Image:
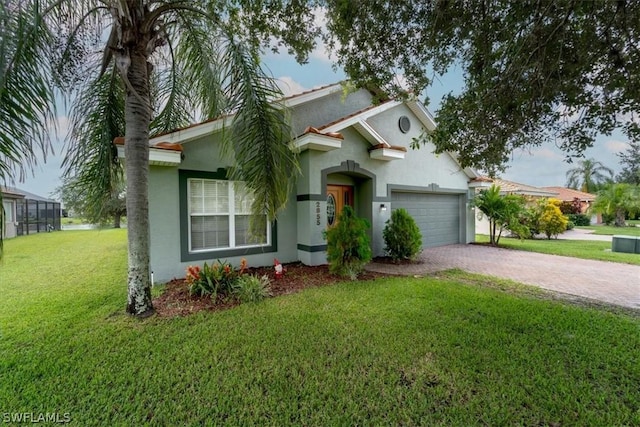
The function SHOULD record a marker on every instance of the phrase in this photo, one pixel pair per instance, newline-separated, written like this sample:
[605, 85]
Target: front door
[338, 196]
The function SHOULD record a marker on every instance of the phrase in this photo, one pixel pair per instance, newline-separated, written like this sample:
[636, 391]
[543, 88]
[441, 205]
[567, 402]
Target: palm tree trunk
[116, 220]
[620, 218]
[138, 118]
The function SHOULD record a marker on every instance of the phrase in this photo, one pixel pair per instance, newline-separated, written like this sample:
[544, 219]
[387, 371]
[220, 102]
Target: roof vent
[404, 124]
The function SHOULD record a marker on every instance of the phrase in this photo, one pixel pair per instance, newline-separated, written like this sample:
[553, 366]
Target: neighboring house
[28, 213]
[530, 193]
[10, 198]
[585, 200]
[352, 152]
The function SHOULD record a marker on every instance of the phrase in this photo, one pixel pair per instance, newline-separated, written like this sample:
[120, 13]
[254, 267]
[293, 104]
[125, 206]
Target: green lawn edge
[449, 349]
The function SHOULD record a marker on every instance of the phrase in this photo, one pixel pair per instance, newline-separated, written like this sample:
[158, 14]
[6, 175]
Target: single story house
[27, 213]
[585, 200]
[10, 198]
[529, 192]
[353, 151]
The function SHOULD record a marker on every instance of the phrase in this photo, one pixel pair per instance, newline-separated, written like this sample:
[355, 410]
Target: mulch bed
[175, 300]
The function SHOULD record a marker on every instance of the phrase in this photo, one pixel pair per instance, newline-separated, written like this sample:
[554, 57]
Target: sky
[539, 166]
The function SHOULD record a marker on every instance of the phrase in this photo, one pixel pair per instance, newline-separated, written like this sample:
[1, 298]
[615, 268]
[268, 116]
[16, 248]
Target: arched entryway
[348, 184]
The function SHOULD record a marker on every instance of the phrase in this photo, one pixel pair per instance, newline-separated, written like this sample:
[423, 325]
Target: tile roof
[568, 194]
[311, 129]
[119, 140]
[354, 114]
[393, 147]
[306, 92]
[518, 188]
[225, 116]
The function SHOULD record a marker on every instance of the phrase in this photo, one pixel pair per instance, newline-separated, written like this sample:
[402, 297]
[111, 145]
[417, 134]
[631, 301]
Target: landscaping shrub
[552, 221]
[579, 220]
[570, 225]
[402, 237]
[348, 248]
[504, 212]
[251, 288]
[214, 279]
[571, 208]
[530, 219]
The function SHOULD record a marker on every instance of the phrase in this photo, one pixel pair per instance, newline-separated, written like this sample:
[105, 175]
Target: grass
[585, 249]
[73, 221]
[611, 230]
[453, 349]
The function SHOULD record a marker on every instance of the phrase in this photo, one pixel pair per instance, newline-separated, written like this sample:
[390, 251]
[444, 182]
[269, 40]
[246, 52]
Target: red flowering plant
[214, 279]
[193, 274]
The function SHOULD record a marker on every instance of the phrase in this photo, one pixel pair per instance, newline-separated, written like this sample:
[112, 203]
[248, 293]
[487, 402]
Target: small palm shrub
[402, 237]
[251, 288]
[348, 248]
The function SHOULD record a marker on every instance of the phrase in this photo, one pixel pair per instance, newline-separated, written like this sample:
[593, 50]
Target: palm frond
[260, 135]
[26, 94]
[199, 51]
[91, 164]
[171, 96]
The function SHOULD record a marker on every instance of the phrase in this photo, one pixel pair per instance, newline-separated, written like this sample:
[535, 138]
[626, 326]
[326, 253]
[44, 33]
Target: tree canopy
[534, 71]
[630, 161]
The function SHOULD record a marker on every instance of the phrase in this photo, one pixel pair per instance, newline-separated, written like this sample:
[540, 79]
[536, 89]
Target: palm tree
[25, 95]
[94, 175]
[502, 211]
[588, 175]
[170, 58]
[615, 200]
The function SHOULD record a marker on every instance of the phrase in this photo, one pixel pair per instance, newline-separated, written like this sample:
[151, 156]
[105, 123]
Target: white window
[8, 211]
[219, 214]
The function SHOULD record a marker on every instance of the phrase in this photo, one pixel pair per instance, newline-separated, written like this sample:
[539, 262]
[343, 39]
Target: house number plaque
[317, 213]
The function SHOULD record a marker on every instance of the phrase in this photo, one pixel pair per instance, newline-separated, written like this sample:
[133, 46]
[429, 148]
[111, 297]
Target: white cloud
[615, 146]
[289, 86]
[546, 153]
[321, 53]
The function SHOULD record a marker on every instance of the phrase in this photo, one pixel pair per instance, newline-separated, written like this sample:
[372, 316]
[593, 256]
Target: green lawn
[586, 249]
[454, 349]
[611, 230]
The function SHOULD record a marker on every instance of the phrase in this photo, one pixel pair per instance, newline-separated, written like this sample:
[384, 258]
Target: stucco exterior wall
[166, 224]
[328, 109]
[300, 226]
[420, 170]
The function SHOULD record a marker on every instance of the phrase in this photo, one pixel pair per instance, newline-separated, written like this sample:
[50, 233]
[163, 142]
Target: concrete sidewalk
[609, 282]
[582, 234]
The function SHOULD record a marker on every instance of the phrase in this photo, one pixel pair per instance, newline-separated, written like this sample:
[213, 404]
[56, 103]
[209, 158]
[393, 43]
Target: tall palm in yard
[174, 62]
[588, 175]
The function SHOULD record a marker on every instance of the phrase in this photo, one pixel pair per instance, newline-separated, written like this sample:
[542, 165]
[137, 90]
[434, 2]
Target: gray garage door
[437, 215]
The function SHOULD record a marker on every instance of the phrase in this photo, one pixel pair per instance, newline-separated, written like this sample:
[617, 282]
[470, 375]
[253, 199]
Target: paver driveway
[604, 281]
